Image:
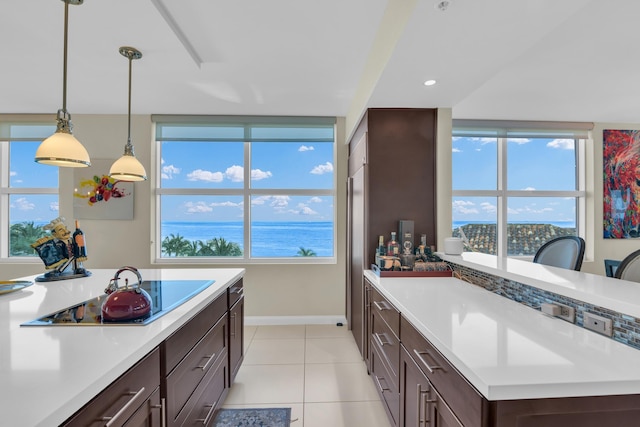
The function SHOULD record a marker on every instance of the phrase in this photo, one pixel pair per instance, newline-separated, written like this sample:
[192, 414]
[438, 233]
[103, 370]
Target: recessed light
[429, 82]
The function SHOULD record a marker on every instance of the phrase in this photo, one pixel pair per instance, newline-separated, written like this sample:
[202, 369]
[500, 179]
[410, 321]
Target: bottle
[393, 247]
[382, 249]
[79, 248]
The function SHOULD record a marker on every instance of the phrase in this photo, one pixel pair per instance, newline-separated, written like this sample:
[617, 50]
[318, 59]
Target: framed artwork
[98, 196]
[621, 190]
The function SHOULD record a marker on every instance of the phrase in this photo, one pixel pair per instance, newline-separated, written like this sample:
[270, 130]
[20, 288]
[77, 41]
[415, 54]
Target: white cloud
[13, 173]
[464, 207]
[488, 207]
[169, 171]
[197, 207]
[529, 189]
[305, 148]
[562, 144]
[279, 201]
[23, 204]
[226, 204]
[456, 150]
[235, 173]
[54, 206]
[207, 176]
[519, 141]
[257, 174]
[315, 200]
[322, 169]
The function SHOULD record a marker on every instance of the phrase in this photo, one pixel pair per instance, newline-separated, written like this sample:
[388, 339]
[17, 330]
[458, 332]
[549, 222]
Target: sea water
[268, 239]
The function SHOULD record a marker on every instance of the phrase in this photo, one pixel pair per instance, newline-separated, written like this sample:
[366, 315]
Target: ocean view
[269, 239]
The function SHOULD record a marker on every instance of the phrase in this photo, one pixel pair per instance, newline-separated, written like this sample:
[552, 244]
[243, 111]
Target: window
[28, 190]
[517, 185]
[245, 188]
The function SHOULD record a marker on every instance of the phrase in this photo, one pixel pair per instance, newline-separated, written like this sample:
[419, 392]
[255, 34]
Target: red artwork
[621, 192]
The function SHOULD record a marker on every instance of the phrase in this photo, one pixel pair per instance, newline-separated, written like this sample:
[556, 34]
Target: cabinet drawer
[176, 347]
[236, 291]
[388, 346]
[389, 392]
[120, 400]
[381, 307]
[194, 367]
[461, 397]
[207, 397]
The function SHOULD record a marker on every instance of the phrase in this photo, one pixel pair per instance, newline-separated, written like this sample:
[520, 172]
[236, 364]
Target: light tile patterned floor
[316, 370]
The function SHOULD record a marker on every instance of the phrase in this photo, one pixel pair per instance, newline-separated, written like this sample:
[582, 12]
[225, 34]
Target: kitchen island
[517, 359]
[49, 372]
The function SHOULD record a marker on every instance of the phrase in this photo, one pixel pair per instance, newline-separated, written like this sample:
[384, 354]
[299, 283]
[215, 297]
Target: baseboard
[294, 320]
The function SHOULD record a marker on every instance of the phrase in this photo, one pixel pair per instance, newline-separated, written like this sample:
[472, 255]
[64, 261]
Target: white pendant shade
[62, 149]
[128, 168]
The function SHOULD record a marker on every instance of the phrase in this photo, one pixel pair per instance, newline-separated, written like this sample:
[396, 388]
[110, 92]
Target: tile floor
[316, 370]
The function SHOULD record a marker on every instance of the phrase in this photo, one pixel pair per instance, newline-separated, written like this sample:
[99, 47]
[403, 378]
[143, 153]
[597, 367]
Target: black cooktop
[165, 296]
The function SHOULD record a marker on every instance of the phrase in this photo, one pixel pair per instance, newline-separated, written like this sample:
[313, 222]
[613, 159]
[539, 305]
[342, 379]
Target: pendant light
[62, 148]
[127, 167]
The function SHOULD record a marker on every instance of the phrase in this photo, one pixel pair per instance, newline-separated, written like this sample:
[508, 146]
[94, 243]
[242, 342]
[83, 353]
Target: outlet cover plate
[598, 324]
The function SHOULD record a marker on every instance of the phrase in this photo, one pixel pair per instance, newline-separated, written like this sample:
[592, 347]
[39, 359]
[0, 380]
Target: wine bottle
[79, 247]
[382, 249]
[393, 247]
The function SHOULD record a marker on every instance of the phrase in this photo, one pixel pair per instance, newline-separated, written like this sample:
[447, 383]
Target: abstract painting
[621, 191]
[98, 196]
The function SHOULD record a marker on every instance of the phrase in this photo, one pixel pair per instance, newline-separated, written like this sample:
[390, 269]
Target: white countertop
[618, 295]
[48, 373]
[507, 350]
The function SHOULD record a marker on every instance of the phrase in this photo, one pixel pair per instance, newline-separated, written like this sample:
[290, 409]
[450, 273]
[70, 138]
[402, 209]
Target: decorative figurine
[61, 253]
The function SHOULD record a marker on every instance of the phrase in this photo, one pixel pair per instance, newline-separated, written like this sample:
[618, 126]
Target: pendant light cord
[64, 67]
[129, 128]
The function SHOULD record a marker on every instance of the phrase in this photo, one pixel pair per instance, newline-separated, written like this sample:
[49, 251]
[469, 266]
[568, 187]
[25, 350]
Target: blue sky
[220, 165]
[533, 164]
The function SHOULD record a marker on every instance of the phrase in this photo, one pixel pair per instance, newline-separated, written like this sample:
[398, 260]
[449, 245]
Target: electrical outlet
[598, 324]
[567, 313]
[564, 312]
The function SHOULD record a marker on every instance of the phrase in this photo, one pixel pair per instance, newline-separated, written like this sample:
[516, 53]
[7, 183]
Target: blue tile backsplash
[626, 329]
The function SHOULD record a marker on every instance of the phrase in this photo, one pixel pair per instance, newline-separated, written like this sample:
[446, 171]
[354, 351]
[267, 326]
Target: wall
[290, 293]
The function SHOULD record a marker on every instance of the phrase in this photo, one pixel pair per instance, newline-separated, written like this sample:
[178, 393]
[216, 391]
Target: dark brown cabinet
[384, 351]
[392, 168]
[132, 400]
[193, 357]
[236, 329]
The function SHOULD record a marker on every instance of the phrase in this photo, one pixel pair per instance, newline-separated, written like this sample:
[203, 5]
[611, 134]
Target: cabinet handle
[379, 339]
[115, 420]
[210, 413]
[379, 384]
[430, 368]
[419, 406]
[210, 359]
[163, 415]
[237, 290]
[382, 306]
[233, 332]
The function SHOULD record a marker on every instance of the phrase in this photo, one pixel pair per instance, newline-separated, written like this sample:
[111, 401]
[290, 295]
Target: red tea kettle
[125, 304]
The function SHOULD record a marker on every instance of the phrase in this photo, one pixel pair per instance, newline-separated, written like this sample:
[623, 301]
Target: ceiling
[569, 60]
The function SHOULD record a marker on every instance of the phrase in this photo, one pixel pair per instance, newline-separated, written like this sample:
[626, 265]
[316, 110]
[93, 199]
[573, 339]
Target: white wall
[310, 290]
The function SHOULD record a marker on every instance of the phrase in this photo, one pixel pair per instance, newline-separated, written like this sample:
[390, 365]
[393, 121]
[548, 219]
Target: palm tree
[220, 247]
[22, 235]
[306, 252]
[176, 245]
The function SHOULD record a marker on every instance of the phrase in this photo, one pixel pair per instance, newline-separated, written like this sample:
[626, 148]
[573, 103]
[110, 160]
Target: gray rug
[253, 417]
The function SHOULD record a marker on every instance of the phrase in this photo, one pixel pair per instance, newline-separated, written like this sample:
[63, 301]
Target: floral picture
[621, 192]
[96, 195]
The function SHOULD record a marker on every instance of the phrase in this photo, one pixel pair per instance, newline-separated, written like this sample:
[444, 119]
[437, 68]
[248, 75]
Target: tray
[7, 286]
[431, 273]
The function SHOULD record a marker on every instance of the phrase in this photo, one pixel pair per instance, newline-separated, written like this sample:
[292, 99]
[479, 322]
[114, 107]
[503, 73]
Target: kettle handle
[113, 284]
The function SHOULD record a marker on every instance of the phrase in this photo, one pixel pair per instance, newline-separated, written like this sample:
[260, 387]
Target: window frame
[505, 130]
[6, 191]
[246, 192]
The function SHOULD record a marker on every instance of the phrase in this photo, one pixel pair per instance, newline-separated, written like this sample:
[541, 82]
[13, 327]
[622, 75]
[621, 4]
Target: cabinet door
[414, 387]
[440, 414]
[148, 415]
[236, 338]
[357, 245]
